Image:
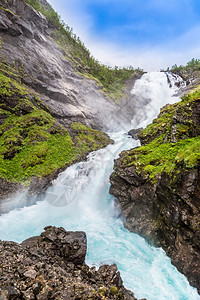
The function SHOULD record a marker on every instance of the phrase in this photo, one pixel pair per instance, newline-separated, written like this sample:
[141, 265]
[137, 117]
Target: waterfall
[79, 200]
[154, 91]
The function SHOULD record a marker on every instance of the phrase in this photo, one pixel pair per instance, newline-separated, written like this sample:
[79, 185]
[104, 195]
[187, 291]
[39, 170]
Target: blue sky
[150, 34]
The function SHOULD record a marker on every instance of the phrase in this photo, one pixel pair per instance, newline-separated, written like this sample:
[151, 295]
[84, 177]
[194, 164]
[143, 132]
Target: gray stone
[56, 269]
[30, 274]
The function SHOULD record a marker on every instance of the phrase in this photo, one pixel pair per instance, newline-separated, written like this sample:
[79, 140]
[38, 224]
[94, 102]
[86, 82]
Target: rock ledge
[52, 266]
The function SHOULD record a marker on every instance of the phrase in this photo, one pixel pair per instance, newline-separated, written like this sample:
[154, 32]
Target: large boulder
[52, 266]
[68, 245]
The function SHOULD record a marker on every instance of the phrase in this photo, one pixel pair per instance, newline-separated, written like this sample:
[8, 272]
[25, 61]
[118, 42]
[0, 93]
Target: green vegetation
[111, 79]
[190, 73]
[159, 125]
[34, 3]
[88, 138]
[162, 124]
[192, 96]
[160, 152]
[1, 43]
[14, 70]
[114, 290]
[158, 157]
[193, 64]
[32, 143]
[8, 10]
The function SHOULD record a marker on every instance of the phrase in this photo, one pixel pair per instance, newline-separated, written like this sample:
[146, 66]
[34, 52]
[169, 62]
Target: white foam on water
[79, 200]
[154, 88]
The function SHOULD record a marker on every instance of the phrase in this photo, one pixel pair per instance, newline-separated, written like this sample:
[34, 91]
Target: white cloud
[177, 51]
[174, 51]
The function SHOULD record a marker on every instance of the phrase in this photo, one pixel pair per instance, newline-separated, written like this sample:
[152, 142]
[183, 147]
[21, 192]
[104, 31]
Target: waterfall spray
[145, 270]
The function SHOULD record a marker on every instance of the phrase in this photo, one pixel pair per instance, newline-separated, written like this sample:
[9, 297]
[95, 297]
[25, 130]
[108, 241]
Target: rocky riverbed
[52, 266]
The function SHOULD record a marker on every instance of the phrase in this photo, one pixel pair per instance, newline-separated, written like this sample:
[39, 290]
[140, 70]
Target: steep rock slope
[28, 44]
[158, 185]
[48, 63]
[34, 146]
[44, 86]
[52, 266]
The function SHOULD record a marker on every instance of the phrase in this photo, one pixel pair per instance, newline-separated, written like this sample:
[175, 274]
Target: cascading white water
[79, 200]
[154, 88]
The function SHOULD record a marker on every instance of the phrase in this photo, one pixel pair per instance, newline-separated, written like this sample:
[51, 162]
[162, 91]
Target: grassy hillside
[32, 142]
[172, 140]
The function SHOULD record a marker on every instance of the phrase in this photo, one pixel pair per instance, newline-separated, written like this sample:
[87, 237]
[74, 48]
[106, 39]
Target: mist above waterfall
[148, 95]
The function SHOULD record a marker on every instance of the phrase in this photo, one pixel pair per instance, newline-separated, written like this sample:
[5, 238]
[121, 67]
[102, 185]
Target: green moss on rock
[180, 114]
[87, 139]
[157, 157]
[113, 290]
[32, 142]
[172, 140]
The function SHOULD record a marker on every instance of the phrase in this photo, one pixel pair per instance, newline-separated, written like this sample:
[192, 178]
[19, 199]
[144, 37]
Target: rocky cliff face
[47, 95]
[31, 44]
[28, 44]
[34, 146]
[158, 185]
[52, 266]
[190, 73]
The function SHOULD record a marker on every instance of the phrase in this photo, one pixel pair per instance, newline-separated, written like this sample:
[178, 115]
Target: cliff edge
[158, 185]
[53, 95]
[52, 266]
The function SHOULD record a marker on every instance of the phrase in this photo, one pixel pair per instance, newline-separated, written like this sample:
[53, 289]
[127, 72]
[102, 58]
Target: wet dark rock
[52, 266]
[10, 292]
[166, 210]
[165, 213]
[2, 118]
[3, 25]
[134, 133]
[7, 188]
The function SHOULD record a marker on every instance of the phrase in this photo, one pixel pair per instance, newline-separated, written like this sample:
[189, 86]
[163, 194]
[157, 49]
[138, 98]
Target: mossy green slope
[32, 142]
[171, 141]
